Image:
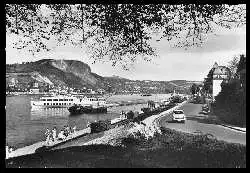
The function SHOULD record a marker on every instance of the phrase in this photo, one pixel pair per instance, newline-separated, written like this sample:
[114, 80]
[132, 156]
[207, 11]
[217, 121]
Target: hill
[76, 74]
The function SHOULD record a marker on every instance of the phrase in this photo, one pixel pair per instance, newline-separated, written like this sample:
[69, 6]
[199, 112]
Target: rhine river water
[25, 125]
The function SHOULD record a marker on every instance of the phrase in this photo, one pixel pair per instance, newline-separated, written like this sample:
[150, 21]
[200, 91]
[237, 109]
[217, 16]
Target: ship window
[55, 99]
[44, 104]
[53, 103]
[49, 99]
[60, 99]
[56, 103]
[43, 99]
[65, 99]
[47, 103]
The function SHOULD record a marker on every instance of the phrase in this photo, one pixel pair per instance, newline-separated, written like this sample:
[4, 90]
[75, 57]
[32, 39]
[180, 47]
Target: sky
[172, 63]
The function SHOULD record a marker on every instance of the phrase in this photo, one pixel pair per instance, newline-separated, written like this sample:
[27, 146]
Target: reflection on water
[41, 113]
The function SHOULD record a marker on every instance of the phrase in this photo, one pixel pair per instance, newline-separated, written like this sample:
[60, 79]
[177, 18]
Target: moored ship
[54, 101]
[63, 101]
[80, 109]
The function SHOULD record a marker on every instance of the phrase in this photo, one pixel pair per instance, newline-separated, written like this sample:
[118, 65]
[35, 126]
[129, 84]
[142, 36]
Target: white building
[34, 91]
[220, 74]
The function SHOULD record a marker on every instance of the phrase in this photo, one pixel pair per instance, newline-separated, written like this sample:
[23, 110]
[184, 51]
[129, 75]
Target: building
[220, 74]
[34, 91]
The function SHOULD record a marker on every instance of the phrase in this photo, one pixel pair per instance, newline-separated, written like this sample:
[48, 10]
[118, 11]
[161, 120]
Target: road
[203, 123]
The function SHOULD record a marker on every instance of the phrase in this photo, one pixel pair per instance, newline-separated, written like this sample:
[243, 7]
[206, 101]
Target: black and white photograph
[125, 86]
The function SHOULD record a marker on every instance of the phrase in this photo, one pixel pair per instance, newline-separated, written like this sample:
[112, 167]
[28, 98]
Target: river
[25, 125]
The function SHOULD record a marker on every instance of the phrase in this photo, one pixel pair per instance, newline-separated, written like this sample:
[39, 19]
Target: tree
[119, 33]
[241, 71]
[208, 82]
[232, 65]
[241, 64]
[194, 89]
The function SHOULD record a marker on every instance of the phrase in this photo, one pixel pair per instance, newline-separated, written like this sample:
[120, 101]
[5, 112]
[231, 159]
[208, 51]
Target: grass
[169, 149]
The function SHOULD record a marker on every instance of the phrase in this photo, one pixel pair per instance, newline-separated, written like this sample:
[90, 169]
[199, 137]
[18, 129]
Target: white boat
[54, 101]
[62, 101]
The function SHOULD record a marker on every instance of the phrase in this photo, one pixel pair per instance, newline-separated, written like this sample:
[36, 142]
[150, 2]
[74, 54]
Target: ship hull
[86, 109]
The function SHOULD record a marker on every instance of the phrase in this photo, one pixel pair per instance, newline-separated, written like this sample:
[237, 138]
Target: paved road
[204, 124]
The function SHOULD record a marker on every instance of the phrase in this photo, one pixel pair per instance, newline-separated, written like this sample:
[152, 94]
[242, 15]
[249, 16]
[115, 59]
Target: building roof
[222, 70]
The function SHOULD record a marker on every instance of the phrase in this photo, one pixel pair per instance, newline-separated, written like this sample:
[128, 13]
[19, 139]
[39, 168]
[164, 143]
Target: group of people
[52, 136]
[8, 150]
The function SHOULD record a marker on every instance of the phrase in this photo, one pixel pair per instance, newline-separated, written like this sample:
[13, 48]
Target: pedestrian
[10, 149]
[88, 124]
[67, 130]
[54, 134]
[74, 129]
[47, 135]
[7, 151]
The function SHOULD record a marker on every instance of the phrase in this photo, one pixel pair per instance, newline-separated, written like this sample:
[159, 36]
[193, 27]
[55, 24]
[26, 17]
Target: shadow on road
[205, 119]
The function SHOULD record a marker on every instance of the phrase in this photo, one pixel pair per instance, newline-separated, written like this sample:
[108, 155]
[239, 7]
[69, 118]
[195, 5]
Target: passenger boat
[55, 101]
[63, 101]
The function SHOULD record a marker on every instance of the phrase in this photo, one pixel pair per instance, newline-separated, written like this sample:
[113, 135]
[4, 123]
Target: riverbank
[171, 149]
[117, 148]
[32, 148]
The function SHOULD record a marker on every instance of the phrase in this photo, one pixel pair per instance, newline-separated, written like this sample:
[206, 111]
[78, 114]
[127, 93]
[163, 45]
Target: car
[179, 116]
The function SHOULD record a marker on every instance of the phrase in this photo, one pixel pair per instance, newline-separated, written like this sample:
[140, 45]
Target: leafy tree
[118, 33]
[208, 83]
[232, 65]
[242, 63]
[240, 68]
[194, 89]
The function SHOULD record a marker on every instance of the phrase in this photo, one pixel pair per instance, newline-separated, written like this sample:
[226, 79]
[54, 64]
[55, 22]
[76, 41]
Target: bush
[100, 126]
